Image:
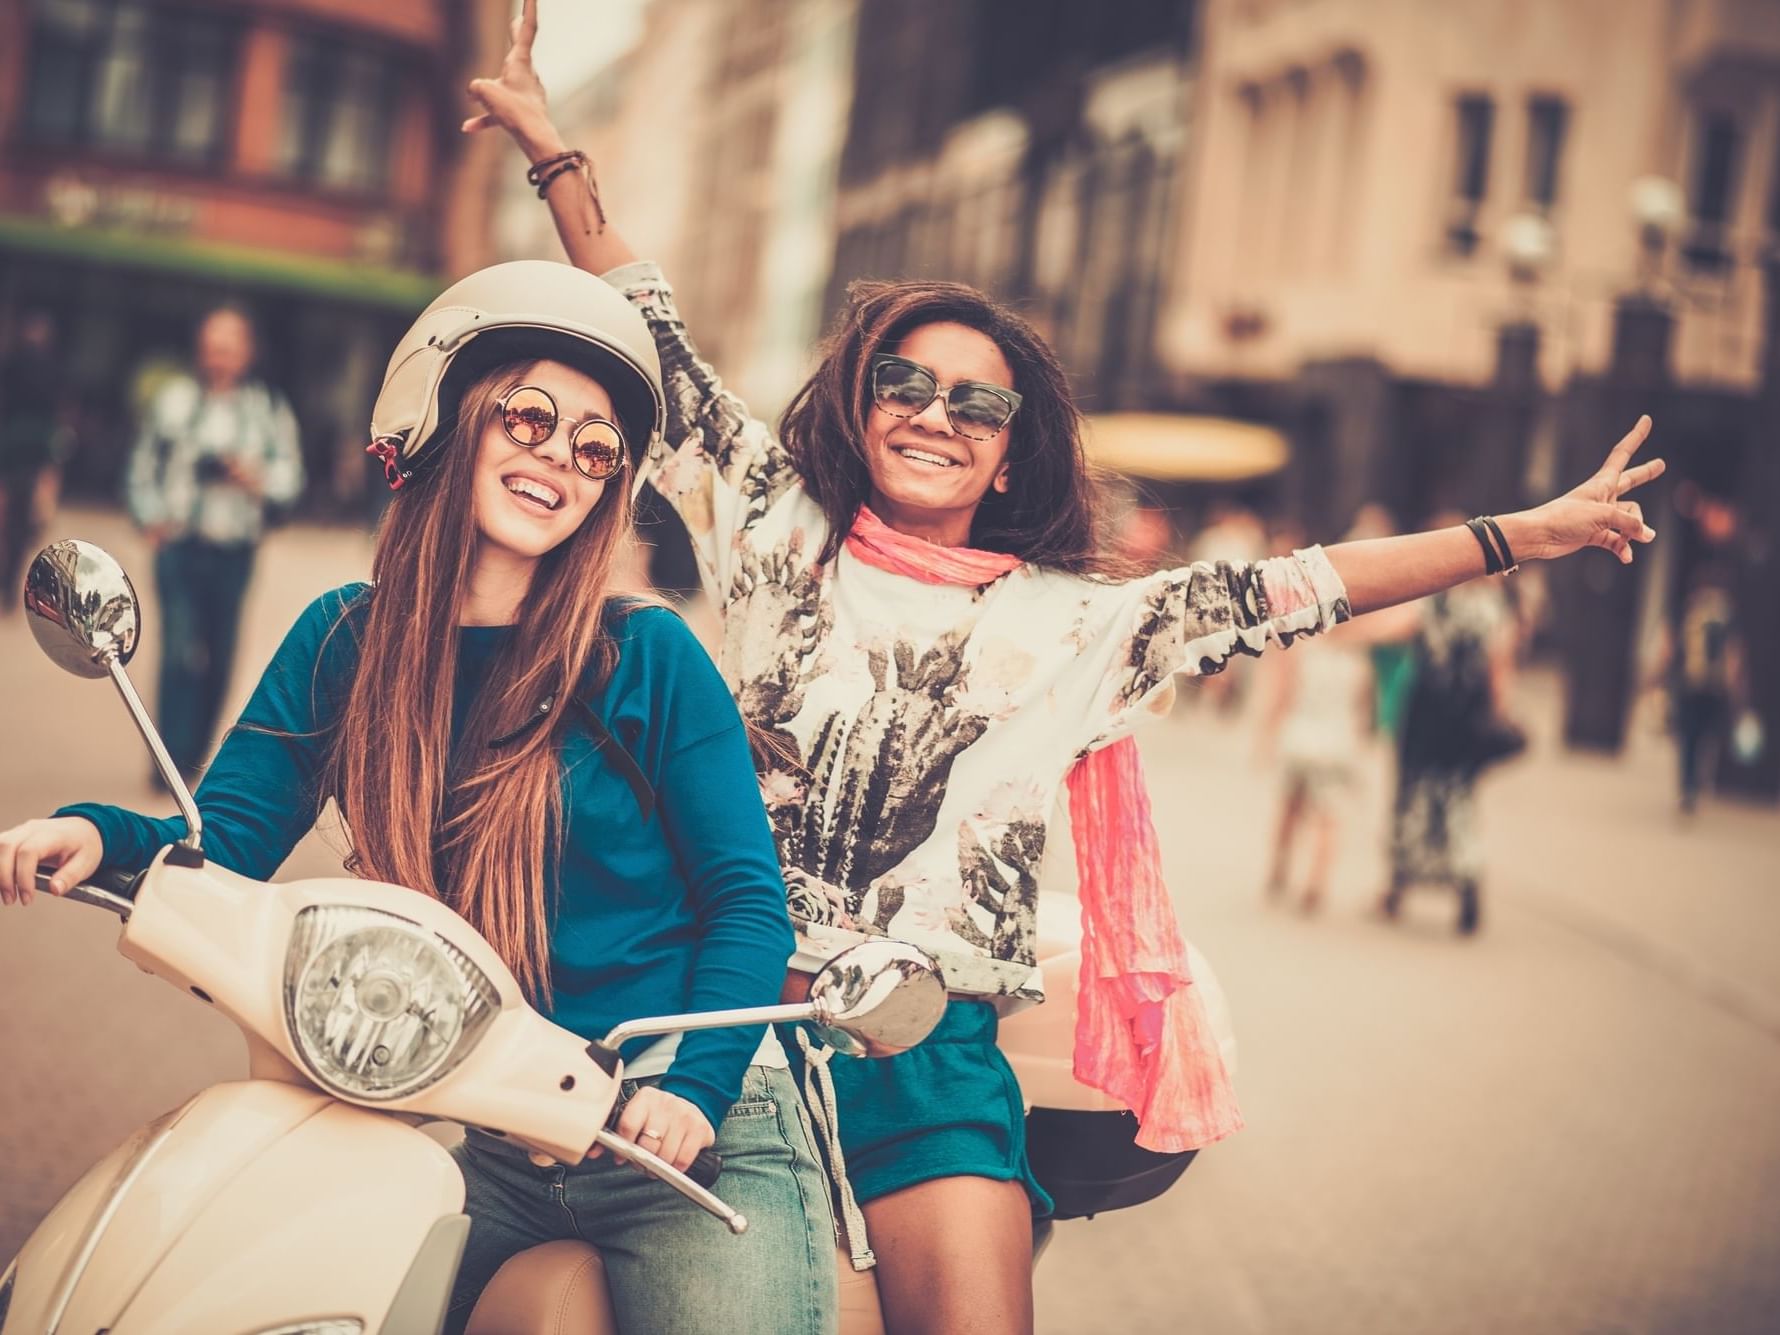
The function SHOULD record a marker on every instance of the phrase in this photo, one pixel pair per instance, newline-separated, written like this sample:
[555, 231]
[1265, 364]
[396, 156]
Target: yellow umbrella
[1185, 447]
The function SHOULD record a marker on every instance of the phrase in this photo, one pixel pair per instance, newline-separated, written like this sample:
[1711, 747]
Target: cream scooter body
[210, 1218]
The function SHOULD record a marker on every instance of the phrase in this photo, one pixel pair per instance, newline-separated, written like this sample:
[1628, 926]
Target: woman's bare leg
[954, 1257]
[1283, 836]
[1325, 828]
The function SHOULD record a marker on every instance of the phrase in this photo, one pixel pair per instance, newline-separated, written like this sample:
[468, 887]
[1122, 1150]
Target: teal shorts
[948, 1107]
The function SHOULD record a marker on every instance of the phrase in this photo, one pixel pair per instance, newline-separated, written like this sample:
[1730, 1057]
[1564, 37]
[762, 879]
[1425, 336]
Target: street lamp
[1528, 244]
[1660, 210]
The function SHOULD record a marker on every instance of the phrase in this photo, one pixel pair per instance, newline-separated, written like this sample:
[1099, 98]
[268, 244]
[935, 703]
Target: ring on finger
[650, 1134]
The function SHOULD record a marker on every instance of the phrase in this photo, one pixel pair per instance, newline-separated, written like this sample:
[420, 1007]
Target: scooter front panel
[267, 1204]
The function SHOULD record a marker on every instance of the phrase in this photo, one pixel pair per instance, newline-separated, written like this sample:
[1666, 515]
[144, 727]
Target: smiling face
[927, 480]
[527, 501]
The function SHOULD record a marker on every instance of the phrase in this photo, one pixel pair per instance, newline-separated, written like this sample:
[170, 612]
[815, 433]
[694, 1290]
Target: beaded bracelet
[544, 172]
[535, 172]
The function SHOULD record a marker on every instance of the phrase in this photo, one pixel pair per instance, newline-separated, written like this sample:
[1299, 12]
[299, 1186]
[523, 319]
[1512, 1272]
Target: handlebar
[108, 889]
[664, 1171]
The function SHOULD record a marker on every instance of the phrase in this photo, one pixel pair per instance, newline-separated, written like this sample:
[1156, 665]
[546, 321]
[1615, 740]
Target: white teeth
[926, 458]
[537, 491]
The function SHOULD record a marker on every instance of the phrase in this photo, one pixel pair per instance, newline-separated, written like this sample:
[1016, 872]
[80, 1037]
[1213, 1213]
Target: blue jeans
[671, 1267]
[202, 585]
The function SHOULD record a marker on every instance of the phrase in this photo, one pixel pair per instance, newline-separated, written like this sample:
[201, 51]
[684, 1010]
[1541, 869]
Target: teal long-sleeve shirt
[682, 911]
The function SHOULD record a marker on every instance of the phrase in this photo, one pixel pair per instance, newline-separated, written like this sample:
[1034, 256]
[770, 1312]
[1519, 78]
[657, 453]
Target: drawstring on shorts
[818, 1092]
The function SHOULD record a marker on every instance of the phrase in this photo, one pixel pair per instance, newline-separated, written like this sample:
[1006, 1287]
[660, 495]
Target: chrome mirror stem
[182, 797]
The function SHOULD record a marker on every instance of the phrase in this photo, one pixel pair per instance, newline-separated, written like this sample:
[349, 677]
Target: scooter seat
[559, 1288]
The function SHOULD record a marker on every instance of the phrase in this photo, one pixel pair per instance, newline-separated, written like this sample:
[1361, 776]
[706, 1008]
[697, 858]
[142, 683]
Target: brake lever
[660, 1169]
[96, 895]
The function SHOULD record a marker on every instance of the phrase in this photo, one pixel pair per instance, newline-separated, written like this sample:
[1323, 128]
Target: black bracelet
[1492, 564]
[1509, 564]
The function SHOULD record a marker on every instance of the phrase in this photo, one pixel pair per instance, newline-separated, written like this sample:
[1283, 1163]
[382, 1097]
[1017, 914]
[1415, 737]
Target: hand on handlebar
[666, 1125]
[69, 844]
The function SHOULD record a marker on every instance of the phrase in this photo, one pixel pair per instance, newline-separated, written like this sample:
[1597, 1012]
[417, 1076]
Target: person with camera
[216, 449]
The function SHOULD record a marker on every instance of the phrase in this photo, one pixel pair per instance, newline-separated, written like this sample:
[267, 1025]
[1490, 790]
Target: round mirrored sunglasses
[596, 444]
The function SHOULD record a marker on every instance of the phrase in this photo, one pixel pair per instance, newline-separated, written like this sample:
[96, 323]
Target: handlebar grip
[116, 880]
[706, 1169]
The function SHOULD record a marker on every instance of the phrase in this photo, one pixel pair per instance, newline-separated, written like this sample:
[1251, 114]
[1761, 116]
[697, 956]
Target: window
[339, 111]
[1547, 120]
[1774, 198]
[1475, 121]
[1714, 187]
[1477, 117]
[130, 77]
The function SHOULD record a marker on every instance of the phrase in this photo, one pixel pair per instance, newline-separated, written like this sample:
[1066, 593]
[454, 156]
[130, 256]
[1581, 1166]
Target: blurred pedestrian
[1705, 678]
[32, 433]
[216, 450]
[1316, 727]
[1454, 725]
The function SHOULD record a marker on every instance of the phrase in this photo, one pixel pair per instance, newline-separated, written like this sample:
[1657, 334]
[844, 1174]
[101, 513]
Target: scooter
[305, 1200]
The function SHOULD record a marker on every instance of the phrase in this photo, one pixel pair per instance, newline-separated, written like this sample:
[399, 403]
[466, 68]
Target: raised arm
[1196, 619]
[717, 466]
[1380, 572]
[514, 100]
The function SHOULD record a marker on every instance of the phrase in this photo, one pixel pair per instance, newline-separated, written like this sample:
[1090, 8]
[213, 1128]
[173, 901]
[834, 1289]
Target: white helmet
[508, 312]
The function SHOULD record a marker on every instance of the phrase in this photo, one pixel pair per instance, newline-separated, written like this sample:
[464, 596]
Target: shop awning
[1184, 447]
[247, 266]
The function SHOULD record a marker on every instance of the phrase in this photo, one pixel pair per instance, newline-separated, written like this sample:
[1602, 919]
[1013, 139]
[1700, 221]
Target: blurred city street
[1566, 1124]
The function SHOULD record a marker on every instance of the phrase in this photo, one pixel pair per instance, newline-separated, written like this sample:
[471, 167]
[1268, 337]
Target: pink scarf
[1141, 1034]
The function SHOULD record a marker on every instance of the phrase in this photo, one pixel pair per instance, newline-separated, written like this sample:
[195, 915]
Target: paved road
[1566, 1125]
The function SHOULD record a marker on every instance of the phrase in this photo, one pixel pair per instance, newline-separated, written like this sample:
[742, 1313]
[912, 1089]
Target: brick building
[299, 157]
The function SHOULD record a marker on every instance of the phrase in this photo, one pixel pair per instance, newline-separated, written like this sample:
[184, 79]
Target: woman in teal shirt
[565, 768]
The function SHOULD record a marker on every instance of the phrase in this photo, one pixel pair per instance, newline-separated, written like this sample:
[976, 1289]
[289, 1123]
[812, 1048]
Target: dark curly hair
[1048, 516]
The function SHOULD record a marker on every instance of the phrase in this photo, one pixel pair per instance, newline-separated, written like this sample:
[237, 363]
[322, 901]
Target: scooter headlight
[379, 1007]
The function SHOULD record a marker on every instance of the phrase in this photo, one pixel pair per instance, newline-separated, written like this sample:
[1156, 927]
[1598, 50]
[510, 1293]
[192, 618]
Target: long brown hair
[480, 831]
[1047, 516]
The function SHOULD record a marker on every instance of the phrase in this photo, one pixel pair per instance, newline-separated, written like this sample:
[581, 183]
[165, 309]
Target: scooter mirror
[84, 614]
[83, 608]
[878, 998]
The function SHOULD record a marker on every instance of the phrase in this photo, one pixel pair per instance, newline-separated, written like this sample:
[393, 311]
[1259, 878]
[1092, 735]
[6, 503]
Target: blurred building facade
[1456, 249]
[297, 157]
[1032, 148]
